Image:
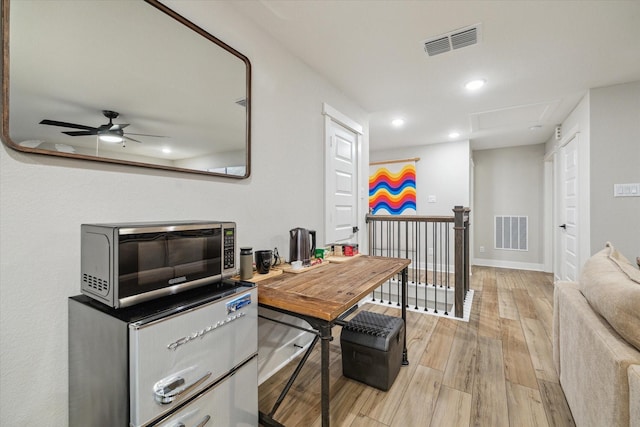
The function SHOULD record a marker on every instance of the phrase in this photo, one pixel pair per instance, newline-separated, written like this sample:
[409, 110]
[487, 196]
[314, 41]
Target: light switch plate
[626, 190]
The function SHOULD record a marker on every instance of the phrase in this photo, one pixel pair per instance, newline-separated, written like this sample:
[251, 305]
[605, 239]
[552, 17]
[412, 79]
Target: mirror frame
[6, 139]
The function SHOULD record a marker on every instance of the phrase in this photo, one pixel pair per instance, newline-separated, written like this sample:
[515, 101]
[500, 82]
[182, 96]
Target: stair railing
[438, 247]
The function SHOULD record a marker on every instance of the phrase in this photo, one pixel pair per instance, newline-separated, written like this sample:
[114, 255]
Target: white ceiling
[539, 59]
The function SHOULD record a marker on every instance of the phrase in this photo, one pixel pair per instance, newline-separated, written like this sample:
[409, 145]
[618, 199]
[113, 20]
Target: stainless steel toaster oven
[128, 263]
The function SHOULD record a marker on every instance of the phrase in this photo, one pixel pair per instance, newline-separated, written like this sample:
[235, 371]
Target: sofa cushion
[611, 285]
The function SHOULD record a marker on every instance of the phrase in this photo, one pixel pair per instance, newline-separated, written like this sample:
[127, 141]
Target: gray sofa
[596, 341]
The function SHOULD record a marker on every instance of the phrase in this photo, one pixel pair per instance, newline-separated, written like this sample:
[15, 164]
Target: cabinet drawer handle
[167, 392]
[200, 424]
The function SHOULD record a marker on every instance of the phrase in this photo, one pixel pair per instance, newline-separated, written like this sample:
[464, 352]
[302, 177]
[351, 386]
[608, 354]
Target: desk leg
[325, 336]
[405, 360]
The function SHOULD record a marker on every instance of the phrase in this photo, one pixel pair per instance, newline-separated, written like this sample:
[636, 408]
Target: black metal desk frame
[322, 331]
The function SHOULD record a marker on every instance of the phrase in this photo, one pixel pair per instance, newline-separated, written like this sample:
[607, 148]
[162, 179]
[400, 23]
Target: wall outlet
[431, 199]
[481, 249]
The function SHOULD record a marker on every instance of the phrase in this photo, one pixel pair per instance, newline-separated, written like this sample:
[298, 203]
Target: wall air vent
[456, 39]
[512, 232]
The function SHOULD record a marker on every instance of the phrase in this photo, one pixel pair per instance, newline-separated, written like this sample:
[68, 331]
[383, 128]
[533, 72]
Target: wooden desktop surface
[327, 292]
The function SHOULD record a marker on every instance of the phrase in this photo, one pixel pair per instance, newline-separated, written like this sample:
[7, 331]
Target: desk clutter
[304, 255]
[315, 263]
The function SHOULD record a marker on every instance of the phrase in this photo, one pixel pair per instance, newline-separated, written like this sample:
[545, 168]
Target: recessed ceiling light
[166, 150]
[454, 135]
[475, 84]
[397, 122]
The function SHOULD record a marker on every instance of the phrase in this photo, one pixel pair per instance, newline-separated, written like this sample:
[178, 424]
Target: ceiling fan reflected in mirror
[109, 132]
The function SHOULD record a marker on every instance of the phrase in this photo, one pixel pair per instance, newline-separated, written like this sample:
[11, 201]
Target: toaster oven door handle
[171, 391]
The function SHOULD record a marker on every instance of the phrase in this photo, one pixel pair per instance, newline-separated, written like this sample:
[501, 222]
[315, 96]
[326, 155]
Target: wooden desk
[319, 297]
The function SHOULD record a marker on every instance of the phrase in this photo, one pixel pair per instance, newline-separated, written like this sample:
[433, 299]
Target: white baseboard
[466, 308]
[515, 265]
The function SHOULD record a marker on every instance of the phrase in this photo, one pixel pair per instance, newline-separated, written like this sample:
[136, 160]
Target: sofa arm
[594, 363]
[558, 288]
[634, 395]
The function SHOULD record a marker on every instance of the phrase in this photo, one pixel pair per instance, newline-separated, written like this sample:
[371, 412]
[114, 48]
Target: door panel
[569, 211]
[342, 184]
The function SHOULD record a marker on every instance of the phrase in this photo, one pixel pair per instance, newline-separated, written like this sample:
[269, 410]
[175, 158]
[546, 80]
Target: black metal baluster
[372, 246]
[446, 293]
[426, 266]
[440, 255]
[382, 223]
[413, 251]
[417, 265]
[390, 244]
[435, 267]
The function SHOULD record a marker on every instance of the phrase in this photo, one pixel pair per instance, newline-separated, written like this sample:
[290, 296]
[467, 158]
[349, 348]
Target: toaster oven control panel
[229, 248]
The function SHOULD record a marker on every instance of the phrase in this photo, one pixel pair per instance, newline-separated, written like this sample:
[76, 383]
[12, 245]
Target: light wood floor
[495, 370]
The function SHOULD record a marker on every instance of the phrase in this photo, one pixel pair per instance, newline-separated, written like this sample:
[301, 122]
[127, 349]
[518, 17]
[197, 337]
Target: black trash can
[372, 346]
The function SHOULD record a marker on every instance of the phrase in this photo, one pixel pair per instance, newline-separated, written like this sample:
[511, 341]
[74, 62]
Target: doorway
[342, 177]
[569, 210]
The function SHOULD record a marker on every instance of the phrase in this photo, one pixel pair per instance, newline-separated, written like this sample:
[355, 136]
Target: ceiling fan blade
[144, 134]
[81, 132]
[131, 139]
[66, 125]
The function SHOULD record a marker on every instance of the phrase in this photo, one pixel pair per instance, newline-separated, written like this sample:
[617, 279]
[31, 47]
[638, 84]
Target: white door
[341, 184]
[569, 245]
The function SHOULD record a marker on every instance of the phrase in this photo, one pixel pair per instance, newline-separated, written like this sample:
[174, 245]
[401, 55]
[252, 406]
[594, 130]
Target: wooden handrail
[412, 218]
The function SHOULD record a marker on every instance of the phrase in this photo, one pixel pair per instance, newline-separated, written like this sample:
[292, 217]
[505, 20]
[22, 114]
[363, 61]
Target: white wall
[615, 159]
[608, 122]
[443, 171]
[44, 200]
[509, 181]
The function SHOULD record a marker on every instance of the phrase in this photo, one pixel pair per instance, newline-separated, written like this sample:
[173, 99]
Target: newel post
[459, 259]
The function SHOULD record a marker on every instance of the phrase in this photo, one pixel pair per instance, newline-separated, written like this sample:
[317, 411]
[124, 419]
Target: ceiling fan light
[110, 138]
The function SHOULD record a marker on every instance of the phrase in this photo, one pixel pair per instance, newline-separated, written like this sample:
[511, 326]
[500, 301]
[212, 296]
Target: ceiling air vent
[437, 46]
[456, 39]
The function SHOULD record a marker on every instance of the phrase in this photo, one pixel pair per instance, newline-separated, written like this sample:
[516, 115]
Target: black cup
[263, 261]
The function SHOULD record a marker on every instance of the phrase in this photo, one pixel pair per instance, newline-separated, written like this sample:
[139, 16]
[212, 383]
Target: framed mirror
[128, 82]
